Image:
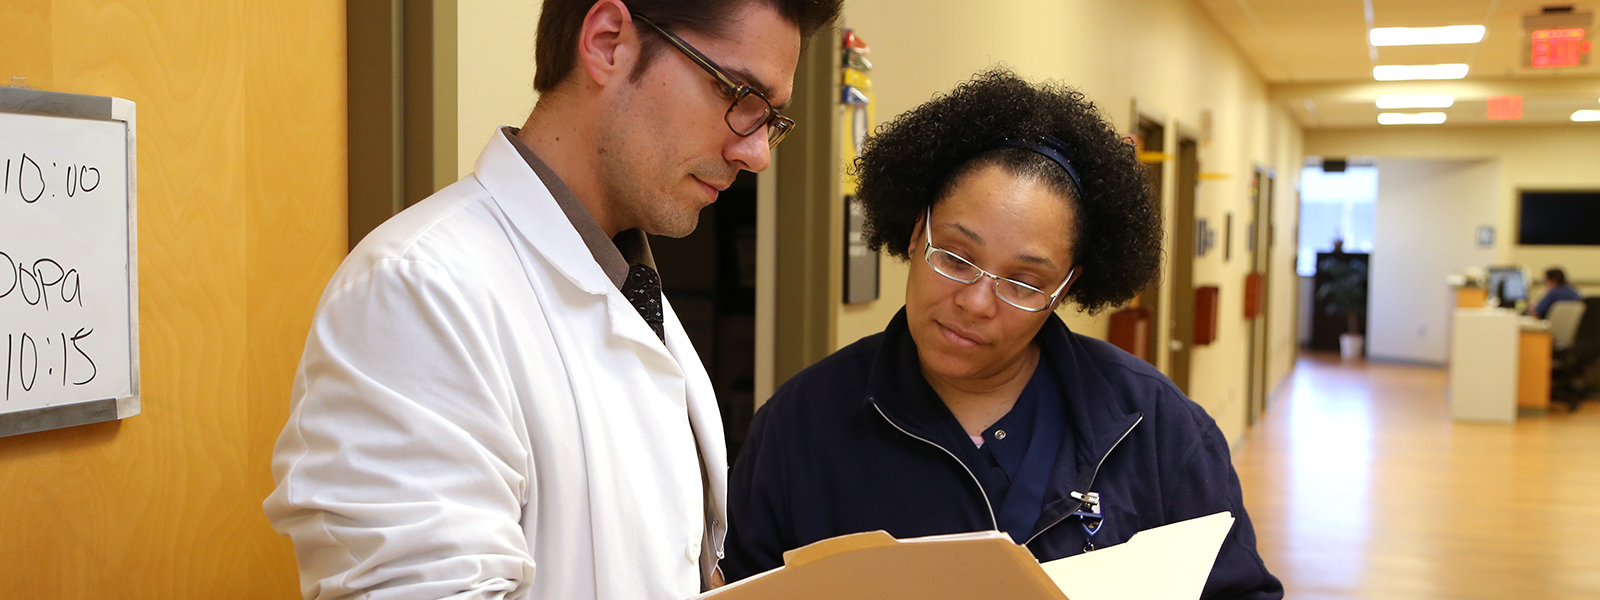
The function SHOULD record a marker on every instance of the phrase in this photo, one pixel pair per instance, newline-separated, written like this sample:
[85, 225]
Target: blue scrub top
[1018, 453]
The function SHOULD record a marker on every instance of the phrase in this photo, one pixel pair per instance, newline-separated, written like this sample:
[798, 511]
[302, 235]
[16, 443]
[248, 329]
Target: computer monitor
[1507, 286]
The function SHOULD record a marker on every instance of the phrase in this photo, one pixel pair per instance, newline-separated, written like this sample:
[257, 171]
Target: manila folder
[874, 566]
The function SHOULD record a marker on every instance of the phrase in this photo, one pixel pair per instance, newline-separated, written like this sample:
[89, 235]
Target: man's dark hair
[1556, 275]
[915, 160]
[560, 21]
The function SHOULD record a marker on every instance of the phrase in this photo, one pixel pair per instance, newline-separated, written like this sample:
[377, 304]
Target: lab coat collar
[533, 212]
[539, 221]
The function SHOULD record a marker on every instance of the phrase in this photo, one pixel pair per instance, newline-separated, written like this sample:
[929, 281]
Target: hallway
[1361, 486]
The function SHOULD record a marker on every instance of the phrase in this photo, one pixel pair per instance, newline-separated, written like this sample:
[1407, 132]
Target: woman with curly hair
[977, 409]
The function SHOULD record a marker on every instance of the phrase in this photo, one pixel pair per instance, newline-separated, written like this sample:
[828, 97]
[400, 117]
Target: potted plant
[1345, 292]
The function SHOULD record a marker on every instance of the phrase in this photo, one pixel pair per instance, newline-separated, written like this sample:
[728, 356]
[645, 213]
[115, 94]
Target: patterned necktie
[643, 289]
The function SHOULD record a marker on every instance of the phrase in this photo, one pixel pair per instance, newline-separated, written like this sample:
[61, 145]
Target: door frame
[1152, 130]
[1186, 194]
[1263, 183]
[402, 106]
[807, 224]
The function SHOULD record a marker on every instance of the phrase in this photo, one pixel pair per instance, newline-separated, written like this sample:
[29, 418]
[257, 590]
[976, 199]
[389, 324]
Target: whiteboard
[68, 261]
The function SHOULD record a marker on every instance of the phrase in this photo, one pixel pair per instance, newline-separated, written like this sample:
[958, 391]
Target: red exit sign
[1558, 47]
[1505, 108]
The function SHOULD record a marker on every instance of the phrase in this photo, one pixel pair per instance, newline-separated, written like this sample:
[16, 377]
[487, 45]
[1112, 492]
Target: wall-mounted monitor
[1569, 218]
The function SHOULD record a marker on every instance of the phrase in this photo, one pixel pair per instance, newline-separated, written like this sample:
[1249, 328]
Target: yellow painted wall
[242, 201]
[1170, 58]
[1544, 157]
[494, 71]
[1283, 301]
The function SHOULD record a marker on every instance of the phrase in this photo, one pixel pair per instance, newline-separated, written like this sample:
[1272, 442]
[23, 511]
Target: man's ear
[608, 44]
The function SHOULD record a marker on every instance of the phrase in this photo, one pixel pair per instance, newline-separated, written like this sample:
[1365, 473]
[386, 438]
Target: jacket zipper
[992, 520]
[1092, 475]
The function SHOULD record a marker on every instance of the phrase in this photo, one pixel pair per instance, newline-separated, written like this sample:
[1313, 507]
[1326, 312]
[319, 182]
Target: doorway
[1259, 245]
[1180, 349]
[1153, 140]
[709, 277]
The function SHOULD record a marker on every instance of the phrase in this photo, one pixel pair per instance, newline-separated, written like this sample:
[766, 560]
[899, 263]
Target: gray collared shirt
[614, 255]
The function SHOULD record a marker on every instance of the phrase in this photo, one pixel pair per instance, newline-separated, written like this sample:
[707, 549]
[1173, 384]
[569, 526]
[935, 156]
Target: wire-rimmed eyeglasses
[1010, 291]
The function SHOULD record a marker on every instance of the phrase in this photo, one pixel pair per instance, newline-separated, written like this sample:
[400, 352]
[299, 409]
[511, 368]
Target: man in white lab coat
[495, 401]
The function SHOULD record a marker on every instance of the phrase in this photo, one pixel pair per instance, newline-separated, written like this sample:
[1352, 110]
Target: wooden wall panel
[241, 171]
[296, 230]
[25, 50]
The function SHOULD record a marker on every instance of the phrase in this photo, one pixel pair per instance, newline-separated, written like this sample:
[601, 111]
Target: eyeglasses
[749, 110]
[1011, 291]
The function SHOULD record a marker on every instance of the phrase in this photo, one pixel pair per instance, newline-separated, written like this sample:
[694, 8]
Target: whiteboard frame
[103, 108]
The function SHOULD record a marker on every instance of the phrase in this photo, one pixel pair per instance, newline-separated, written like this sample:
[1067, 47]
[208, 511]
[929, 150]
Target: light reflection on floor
[1360, 486]
[1330, 485]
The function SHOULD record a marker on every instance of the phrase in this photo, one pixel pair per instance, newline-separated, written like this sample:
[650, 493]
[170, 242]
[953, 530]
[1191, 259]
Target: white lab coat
[480, 413]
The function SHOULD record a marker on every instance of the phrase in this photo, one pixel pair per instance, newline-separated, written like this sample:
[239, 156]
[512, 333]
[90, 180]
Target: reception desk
[1499, 362]
[1534, 350]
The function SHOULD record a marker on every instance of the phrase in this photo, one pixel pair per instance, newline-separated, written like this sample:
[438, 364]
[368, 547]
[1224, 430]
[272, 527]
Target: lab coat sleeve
[401, 472]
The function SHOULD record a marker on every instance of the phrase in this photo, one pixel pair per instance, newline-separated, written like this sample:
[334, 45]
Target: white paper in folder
[1170, 562]
[1166, 563]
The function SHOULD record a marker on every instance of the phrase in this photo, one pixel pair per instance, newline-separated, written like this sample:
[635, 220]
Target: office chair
[1572, 365]
[1564, 317]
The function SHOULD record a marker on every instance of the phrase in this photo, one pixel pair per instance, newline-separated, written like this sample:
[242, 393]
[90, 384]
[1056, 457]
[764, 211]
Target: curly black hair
[912, 162]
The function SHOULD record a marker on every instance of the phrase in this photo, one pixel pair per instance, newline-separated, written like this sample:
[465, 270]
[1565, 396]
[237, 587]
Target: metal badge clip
[1090, 515]
[1090, 500]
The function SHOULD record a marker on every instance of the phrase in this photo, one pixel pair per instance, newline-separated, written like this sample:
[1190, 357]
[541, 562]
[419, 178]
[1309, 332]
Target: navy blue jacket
[846, 446]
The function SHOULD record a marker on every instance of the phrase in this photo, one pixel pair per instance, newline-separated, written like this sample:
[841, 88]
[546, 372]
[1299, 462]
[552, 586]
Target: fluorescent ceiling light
[1586, 115]
[1397, 102]
[1405, 72]
[1427, 118]
[1422, 36]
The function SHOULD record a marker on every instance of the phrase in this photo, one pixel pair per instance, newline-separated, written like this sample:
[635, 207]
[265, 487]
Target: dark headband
[1055, 150]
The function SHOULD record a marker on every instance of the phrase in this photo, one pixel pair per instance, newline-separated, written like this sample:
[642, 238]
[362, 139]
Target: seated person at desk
[977, 409]
[1556, 290]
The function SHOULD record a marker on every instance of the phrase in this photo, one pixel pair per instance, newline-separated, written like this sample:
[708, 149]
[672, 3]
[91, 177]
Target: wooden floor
[1360, 486]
